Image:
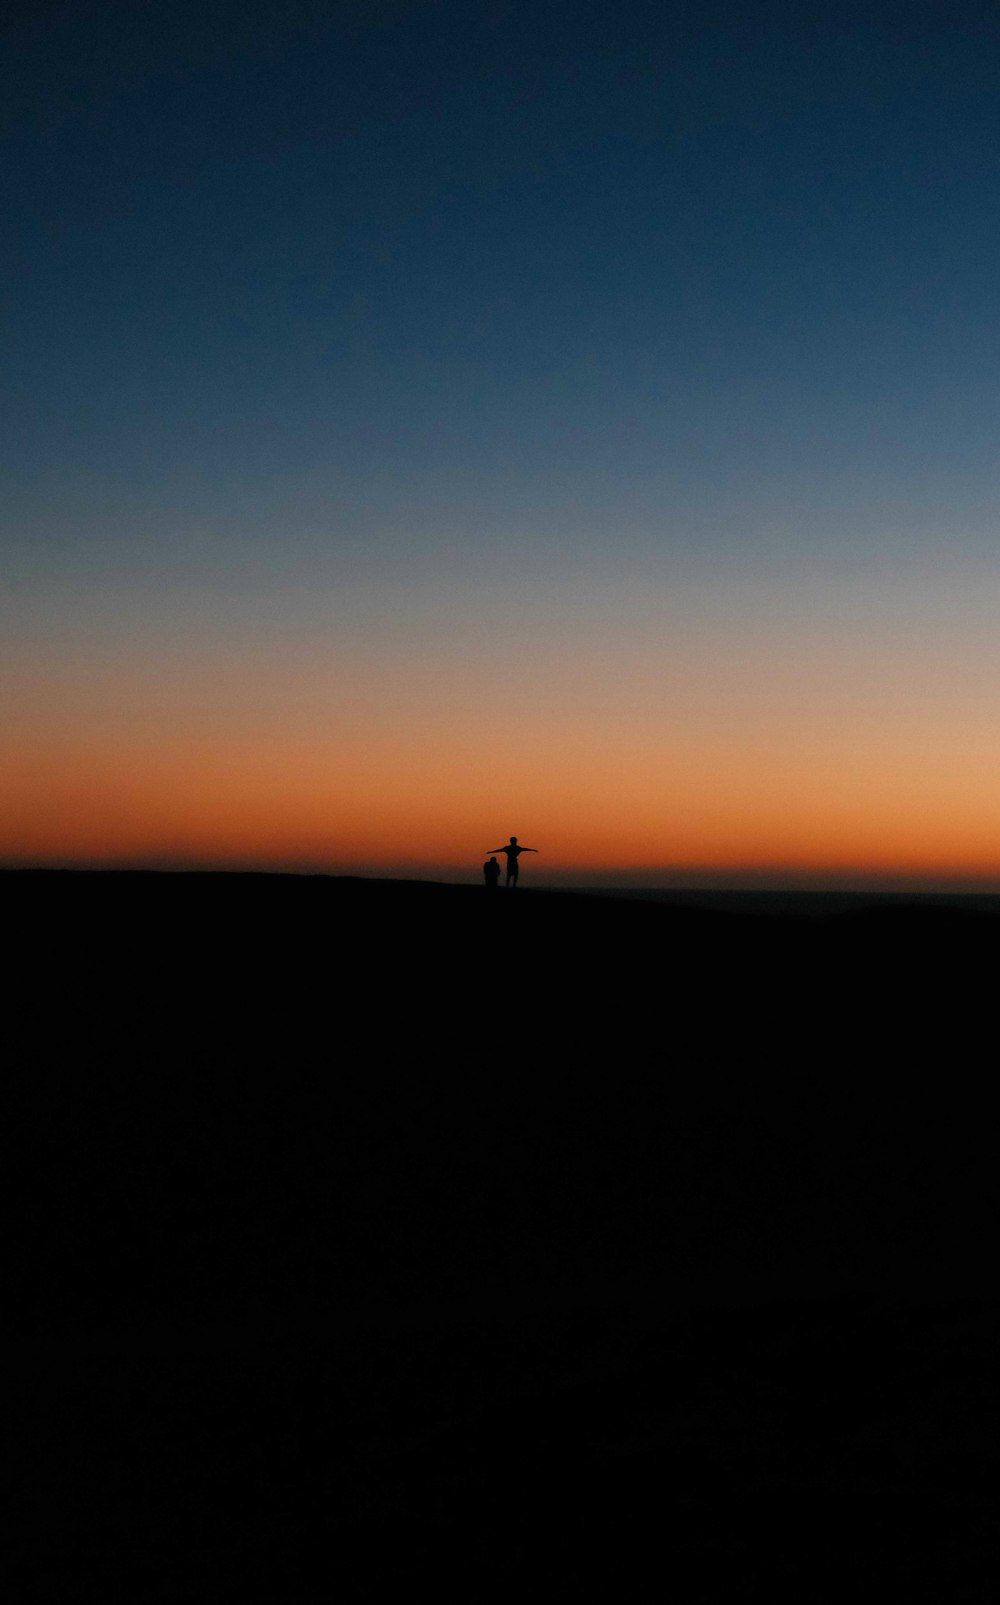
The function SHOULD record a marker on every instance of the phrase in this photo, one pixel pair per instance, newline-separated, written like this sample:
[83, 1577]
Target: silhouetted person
[513, 852]
[491, 873]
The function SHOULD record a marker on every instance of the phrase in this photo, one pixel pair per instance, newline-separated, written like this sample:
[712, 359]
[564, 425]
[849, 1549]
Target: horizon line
[731, 879]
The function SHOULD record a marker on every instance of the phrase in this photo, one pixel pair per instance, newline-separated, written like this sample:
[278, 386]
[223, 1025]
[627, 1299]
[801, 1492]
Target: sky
[426, 422]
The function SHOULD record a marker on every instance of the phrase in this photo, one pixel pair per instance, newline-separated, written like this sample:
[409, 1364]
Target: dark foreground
[375, 1238]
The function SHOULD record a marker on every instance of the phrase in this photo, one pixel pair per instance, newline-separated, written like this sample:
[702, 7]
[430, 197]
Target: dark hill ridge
[394, 1225]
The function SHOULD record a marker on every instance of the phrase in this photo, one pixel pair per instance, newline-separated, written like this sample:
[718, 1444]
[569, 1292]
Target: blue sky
[563, 321]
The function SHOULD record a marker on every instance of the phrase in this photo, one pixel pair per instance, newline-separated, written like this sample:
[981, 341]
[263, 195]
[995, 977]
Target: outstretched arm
[529, 849]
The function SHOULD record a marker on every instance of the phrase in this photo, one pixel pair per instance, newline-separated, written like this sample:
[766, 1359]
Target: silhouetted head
[513, 839]
[493, 860]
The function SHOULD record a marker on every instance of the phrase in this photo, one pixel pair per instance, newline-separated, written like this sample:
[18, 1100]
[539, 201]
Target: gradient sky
[423, 422]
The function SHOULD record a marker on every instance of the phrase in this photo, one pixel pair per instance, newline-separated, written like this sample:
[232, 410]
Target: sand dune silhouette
[322, 1243]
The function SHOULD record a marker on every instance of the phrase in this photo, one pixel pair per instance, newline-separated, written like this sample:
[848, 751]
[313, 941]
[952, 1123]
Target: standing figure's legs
[512, 875]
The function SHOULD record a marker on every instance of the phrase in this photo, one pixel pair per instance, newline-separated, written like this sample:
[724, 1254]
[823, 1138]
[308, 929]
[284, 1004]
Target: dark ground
[374, 1237]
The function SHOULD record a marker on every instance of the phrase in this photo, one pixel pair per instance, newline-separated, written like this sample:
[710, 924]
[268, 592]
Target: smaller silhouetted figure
[513, 851]
[491, 874]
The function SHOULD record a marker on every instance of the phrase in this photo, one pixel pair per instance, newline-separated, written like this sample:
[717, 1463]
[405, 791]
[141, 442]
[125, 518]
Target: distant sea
[803, 904]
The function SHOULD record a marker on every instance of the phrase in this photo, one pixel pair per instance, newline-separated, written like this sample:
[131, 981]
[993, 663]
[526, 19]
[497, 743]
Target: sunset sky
[426, 422]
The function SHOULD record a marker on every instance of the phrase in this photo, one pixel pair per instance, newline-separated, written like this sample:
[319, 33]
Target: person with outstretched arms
[513, 852]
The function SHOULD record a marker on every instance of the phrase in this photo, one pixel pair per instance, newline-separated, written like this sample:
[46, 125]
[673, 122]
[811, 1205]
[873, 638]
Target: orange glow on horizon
[707, 747]
[386, 810]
